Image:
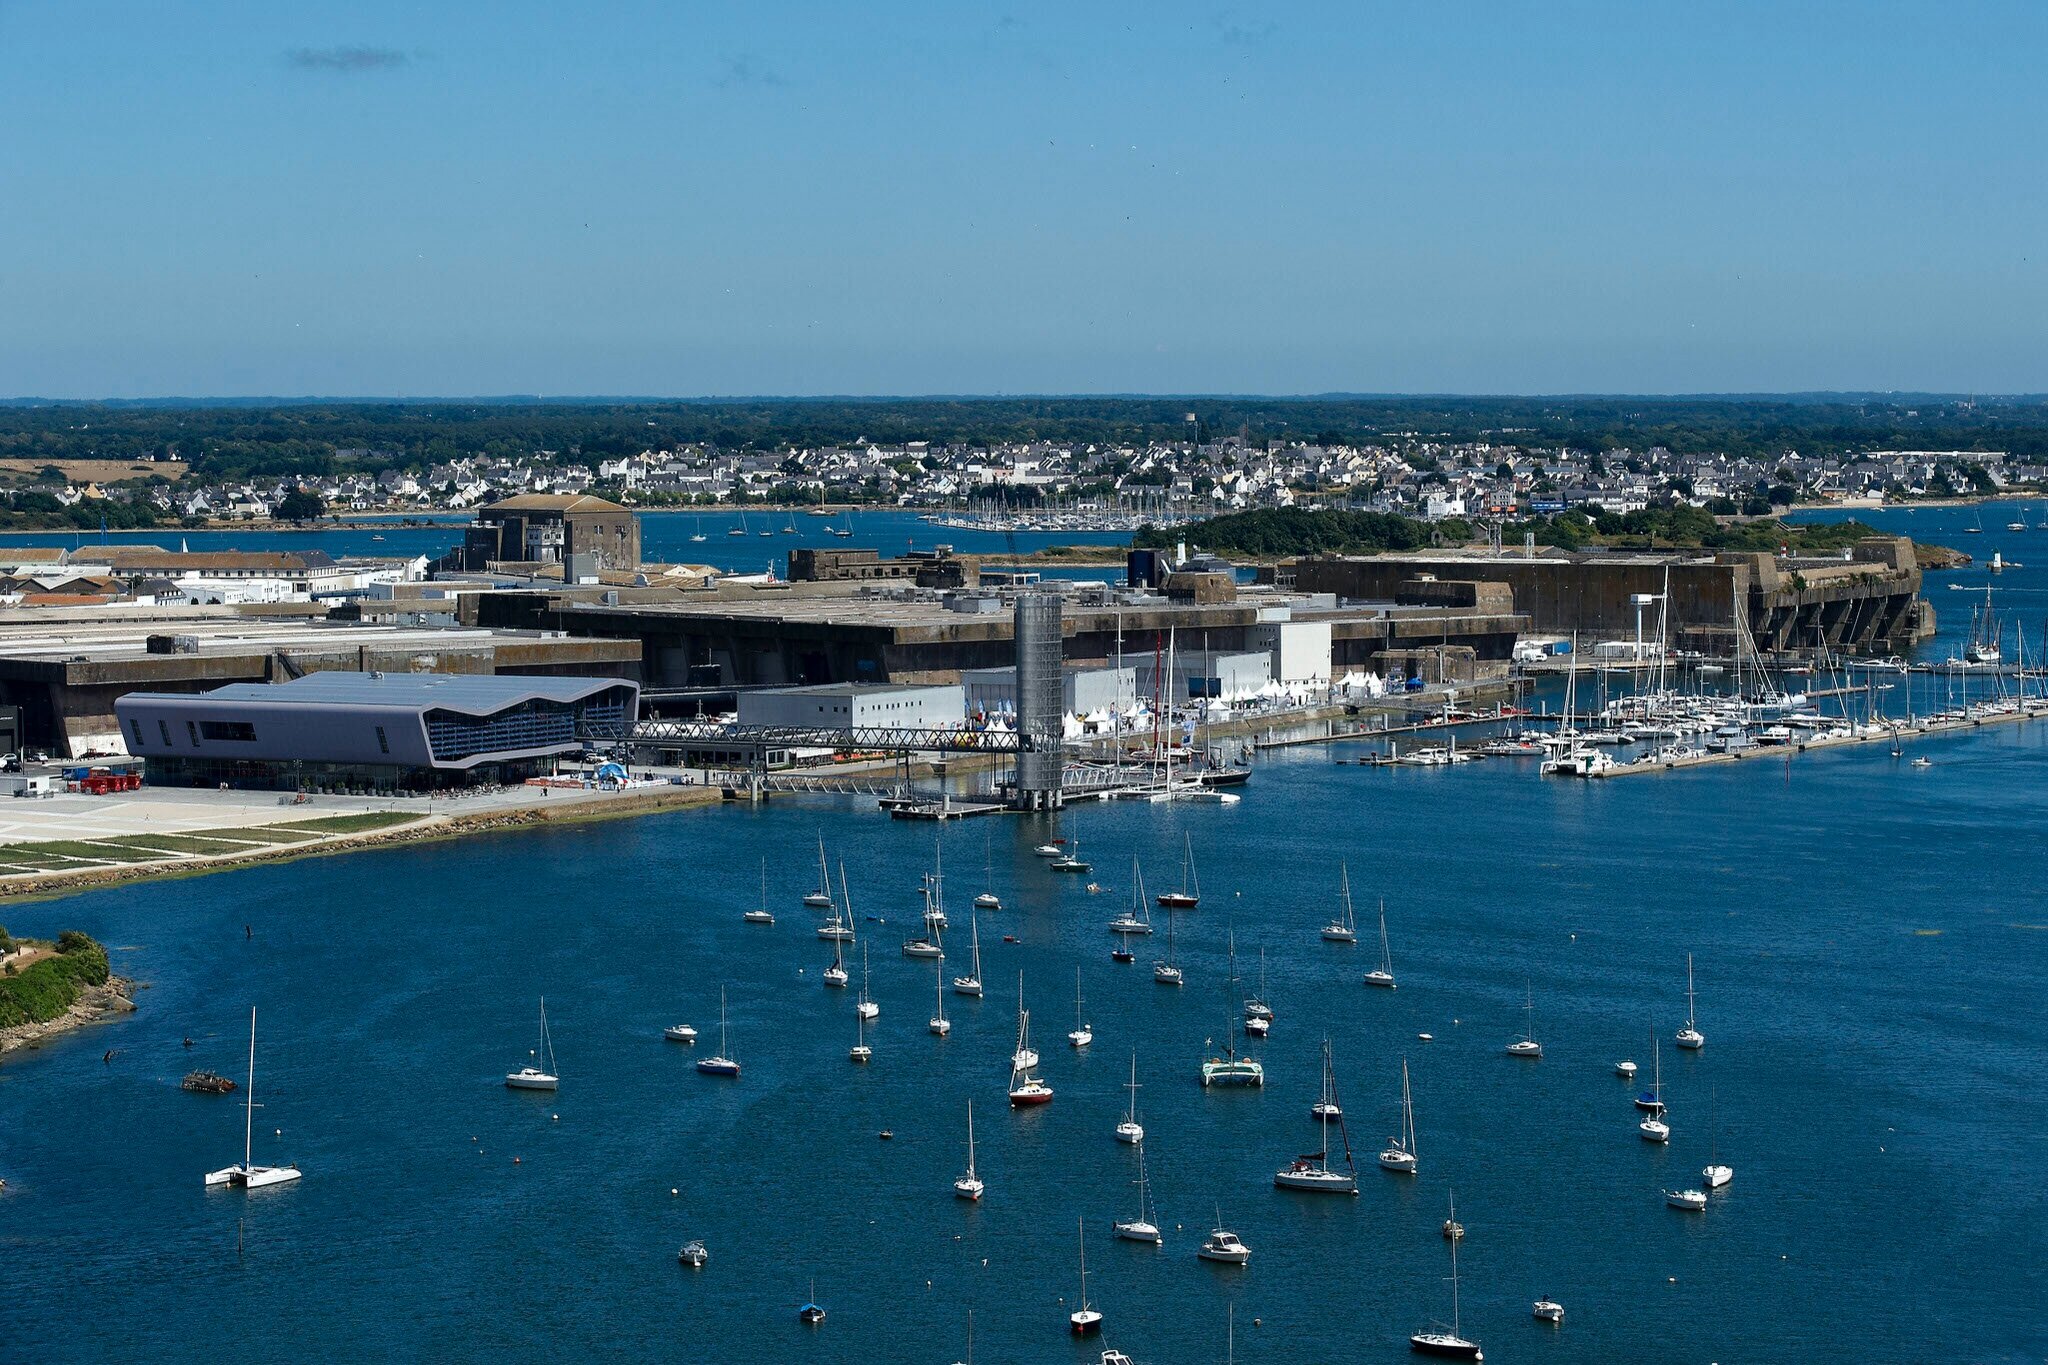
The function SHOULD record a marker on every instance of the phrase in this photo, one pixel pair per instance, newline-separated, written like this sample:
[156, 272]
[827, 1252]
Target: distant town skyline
[379, 199]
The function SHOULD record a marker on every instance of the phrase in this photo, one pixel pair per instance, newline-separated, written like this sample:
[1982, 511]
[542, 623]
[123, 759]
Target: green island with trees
[52, 982]
[1289, 532]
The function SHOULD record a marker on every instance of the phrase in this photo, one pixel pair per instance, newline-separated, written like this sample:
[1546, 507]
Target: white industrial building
[1083, 691]
[846, 706]
[1213, 674]
[1300, 650]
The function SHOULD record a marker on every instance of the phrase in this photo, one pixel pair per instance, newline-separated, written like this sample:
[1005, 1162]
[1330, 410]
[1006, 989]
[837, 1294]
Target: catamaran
[1450, 1345]
[969, 1186]
[246, 1174]
[1690, 1038]
[1400, 1153]
[1130, 1130]
[533, 1076]
[1344, 928]
[721, 1064]
[1231, 1069]
[1082, 1033]
[1190, 894]
[1312, 1170]
[1382, 975]
[1141, 1228]
[1137, 919]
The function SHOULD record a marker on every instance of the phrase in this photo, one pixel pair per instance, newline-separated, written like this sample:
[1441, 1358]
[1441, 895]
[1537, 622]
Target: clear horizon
[803, 200]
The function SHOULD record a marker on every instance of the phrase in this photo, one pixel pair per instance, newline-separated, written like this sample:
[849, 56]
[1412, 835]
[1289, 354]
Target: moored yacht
[1129, 1129]
[1313, 1170]
[1223, 1245]
[1382, 975]
[1526, 1045]
[246, 1174]
[1399, 1155]
[1137, 919]
[1690, 1037]
[969, 1186]
[1450, 1345]
[1344, 928]
[722, 1063]
[535, 1076]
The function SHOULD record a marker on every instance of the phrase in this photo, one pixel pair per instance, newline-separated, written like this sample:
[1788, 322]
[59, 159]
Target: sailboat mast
[249, 1101]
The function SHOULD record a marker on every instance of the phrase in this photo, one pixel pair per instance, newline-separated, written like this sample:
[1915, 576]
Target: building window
[192, 733]
[136, 726]
[383, 744]
[240, 731]
[165, 727]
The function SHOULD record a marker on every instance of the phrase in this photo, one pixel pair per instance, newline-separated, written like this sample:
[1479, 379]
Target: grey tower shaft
[1041, 653]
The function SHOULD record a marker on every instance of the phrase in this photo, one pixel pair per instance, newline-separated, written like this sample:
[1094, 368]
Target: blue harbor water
[665, 538]
[1872, 953]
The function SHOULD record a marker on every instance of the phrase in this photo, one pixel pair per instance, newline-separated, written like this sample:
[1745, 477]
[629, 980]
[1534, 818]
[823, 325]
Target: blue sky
[690, 199]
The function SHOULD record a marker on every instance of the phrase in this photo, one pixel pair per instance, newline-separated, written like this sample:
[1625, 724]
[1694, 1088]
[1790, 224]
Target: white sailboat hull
[252, 1177]
[1320, 1182]
[529, 1079]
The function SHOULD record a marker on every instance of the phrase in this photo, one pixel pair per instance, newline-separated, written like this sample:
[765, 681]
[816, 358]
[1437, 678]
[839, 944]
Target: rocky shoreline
[96, 1004]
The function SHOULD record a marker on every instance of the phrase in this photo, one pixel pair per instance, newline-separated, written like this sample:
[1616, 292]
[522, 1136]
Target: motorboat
[1547, 1309]
[534, 1076]
[694, 1255]
[680, 1033]
[1221, 1245]
[246, 1174]
[1692, 1201]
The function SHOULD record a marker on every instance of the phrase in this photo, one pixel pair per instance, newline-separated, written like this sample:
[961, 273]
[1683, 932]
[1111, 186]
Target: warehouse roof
[475, 693]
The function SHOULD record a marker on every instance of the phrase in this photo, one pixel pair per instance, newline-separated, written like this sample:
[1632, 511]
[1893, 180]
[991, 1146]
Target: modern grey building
[377, 731]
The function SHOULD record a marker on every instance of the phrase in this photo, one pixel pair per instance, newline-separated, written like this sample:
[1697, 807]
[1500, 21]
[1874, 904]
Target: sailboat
[1084, 1320]
[696, 530]
[860, 1051]
[1082, 1034]
[1689, 1037]
[970, 984]
[810, 1313]
[532, 1076]
[988, 900]
[821, 899]
[1231, 1069]
[1382, 975]
[1653, 1127]
[1400, 1153]
[1167, 973]
[1344, 928]
[1141, 1228]
[1137, 919]
[1313, 1171]
[763, 915]
[969, 1186]
[1130, 1130]
[246, 1174]
[1190, 894]
[1526, 1045]
[1256, 1010]
[928, 944]
[740, 529]
[1025, 1088]
[1070, 859]
[865, 1007]
[940, 1024]
[722, 1064]
[1452, 1344]
[835, 970]
[1715, 1175]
